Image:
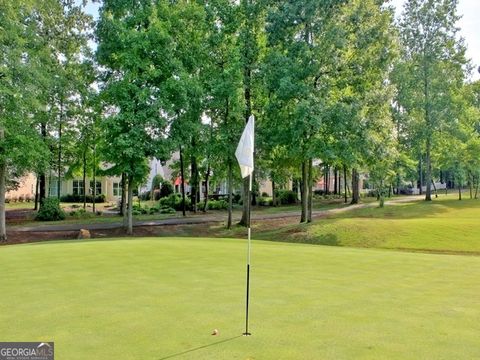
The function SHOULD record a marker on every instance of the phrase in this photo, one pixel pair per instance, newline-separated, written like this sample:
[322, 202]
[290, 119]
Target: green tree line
[336, 82]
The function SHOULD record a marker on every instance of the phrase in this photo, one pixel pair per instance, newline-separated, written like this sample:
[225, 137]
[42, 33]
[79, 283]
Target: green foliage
[174, 201]
[167, 210]
[217, 205]
[50, 210]
[265, 201]
[166, 189]
[285, 197]
[82, 214]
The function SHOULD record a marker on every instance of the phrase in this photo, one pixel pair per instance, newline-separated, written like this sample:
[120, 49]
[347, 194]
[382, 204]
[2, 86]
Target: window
[98, 188]
[78, 187]
[53, 188]
[117, 189]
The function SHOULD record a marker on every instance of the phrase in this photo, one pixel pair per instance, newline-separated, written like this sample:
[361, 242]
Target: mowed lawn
[160, 298]
[443, 225]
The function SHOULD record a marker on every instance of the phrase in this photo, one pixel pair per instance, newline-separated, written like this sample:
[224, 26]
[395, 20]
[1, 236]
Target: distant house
[110, 186]
[25, 190]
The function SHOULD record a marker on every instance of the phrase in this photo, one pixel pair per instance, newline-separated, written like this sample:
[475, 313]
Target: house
[25, 190]
[110, 186]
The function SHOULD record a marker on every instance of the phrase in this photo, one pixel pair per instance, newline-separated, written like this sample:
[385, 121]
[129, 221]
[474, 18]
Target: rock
[84, 234]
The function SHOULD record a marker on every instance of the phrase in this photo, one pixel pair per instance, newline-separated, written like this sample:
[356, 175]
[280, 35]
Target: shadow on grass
[200, 348]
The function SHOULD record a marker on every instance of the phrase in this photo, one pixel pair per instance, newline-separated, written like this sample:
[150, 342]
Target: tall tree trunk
[428, 127]
[324, 179]
[247, 75]
[304, 192]
[193, 179]
[123, 200]
[345, 182]
[428, 171]
[253, 194]
[274, 196]
[310, 191]
[125, 204]
[476, 187]
[335, 181]
[84, 179]
[43, 177]
[381, 194]
[355, 187]
[230, 200]
[327, 179]
[207, 176]
[420, 175]
[470, 184]
[3, 190]
[37, 184]
[182, 182]
[459, 191]
[130, 205]
[59, 160]
[95, 178]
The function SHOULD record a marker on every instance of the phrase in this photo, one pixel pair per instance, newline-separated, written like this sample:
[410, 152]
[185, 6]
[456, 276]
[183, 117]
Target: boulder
[84, 234]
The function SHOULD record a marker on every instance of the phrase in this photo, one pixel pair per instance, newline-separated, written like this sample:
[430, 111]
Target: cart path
[201, 218]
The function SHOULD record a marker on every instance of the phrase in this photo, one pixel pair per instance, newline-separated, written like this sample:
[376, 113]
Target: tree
[431, 68]
[298, 62]
[251, 40]
[134, 47]
[224, 89]
[21, 78]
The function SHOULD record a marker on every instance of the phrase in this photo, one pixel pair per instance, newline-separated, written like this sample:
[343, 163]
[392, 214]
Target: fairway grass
[160, 298]
[443, 225]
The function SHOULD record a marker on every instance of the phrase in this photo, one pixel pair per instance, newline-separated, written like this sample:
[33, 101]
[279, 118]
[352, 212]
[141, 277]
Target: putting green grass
[160, 298]
[444, 225]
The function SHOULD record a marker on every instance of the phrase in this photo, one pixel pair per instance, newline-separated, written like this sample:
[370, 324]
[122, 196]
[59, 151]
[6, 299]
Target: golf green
[161, 298]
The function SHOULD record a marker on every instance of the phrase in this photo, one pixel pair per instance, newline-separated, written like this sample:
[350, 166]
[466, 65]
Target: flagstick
[246, 333]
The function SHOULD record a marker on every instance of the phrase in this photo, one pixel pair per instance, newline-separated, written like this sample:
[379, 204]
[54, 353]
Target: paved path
[200, 218]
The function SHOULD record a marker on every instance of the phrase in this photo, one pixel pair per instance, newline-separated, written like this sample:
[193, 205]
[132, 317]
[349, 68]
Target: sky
[469, 26]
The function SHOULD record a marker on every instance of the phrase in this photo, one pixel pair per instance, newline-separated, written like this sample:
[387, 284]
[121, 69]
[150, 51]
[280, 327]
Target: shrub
[71, 198]
[174, 201]
[217, 205]
[81, 214]
[140, 209]
[167, 210]
[264, 194]
[265, 201]
[166, 189]
[50, 210]
[286, 197]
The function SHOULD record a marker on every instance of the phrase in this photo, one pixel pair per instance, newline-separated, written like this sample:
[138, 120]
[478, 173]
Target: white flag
[244, 152]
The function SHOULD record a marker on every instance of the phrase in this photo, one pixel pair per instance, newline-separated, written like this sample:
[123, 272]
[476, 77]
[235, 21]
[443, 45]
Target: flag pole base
[247, 334]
